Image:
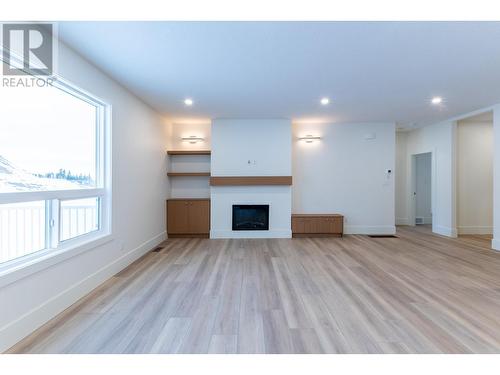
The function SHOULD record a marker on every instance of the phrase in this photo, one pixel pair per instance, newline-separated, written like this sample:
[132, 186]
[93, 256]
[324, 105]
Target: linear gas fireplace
[250, 217]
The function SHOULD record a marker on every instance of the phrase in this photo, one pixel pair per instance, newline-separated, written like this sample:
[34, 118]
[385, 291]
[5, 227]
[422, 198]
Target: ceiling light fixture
[310, 138]
[437, 100]
[192, 139]
[324, 101]
[188, 102]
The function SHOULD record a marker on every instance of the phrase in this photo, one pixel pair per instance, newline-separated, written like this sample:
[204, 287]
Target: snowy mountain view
[14, 179]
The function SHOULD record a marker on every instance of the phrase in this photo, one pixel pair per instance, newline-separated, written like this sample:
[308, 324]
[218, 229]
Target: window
[53, 169]
[22, 229]
[78, 217]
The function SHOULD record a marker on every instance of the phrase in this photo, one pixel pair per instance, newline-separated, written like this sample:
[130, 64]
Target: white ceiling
[372, 71]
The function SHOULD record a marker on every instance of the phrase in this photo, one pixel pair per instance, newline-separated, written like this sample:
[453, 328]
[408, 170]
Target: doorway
[422, 189]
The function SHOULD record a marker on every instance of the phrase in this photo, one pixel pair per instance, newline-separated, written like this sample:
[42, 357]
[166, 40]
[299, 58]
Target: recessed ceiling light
[188, 102]
[437, 100]
[324, 101]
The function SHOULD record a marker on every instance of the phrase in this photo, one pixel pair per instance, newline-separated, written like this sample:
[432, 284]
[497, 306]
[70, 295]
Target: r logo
[33, 43]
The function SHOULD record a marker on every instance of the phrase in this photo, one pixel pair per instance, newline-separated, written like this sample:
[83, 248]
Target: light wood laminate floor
[418, 293]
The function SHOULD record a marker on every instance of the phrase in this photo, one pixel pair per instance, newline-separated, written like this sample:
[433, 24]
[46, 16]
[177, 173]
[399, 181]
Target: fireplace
[250, 217]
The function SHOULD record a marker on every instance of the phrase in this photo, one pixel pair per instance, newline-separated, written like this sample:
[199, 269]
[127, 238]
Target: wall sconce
[310, 138]
[192, 139]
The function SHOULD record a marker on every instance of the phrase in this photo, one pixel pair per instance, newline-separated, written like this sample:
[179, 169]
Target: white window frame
[56, 250]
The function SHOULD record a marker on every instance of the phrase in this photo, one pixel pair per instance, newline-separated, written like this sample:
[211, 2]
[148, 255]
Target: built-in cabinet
[317, 225]
[188, 217]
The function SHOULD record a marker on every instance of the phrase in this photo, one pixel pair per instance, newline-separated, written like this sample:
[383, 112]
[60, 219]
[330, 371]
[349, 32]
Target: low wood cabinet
[304, 225]
[188, 217]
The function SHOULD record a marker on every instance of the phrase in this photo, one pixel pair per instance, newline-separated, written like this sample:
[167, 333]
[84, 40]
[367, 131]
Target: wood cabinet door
[199, 217]
[298, 225]
[177, 217]
[332, 225]
[310, 225]
[317, 225]
[325, 225]
[337, 225]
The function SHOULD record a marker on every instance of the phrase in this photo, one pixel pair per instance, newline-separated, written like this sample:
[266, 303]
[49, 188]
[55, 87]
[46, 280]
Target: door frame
[412, 201]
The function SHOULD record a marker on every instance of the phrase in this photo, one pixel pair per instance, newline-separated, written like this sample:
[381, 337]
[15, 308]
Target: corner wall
[401, 189]
[495, 243]
[474, 177]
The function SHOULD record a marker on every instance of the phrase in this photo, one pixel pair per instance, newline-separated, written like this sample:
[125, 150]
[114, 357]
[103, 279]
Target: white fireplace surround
[277, 197]
[251, 148]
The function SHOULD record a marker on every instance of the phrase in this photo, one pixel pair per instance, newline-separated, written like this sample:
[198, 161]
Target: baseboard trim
[445, 231]
[495, 244]
[18, 329]
[361, 229]
[284, 233]
[475, 230]
[402, 221]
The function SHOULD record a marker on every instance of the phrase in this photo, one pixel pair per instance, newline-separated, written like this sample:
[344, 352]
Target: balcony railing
[77, 220]
[23, 227]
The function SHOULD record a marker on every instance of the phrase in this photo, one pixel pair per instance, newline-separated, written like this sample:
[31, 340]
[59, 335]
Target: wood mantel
[250, 180]
[189, 152]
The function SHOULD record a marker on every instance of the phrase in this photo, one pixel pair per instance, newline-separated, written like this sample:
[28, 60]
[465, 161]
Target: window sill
[36, 262]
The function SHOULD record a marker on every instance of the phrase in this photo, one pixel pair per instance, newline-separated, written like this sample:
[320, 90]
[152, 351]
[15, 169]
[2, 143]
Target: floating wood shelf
[188, 174]
[250, 180]
[190, 152]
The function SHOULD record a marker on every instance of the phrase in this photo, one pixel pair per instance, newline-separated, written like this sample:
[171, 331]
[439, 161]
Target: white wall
[423, 171]
[251, 148]
[474, 177]
[189, 187]
[139, 189]
[439, 139]
[400, 179]
[345, 172]
[177, 130]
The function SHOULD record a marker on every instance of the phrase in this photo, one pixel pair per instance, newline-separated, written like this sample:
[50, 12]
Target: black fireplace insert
[250, 217]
